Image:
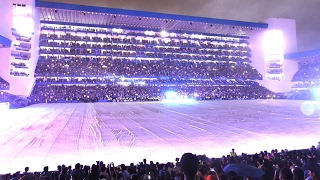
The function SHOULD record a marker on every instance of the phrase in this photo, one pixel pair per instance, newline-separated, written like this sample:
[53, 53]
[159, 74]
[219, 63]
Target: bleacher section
[306, 82]
[142, 64]
[307, 71]
[4, 85]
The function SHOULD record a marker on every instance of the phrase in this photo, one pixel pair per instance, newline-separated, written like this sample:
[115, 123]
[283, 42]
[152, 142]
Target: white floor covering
[67, 133]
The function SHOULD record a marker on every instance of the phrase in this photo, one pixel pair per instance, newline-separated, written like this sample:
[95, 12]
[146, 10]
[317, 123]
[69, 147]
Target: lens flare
[307, 108]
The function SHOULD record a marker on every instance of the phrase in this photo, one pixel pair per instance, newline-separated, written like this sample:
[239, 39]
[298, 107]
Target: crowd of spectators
[147, 48]
[305, 94]
[301, 94]
[95, 80]
[92, 66]
[6, 97]
[4, 85]
[217, 68]
[139, 38]
[206, 55]
[134, 33]
[307, 82]
[274, 165]
[132, 44]
[13, 100]
[94, 93]
[307, 72]
[304, 84]
[53, 66]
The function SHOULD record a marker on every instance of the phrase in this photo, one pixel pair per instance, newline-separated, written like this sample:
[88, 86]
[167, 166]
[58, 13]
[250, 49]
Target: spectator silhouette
[46, 174]
[79, 172]
[285, 174]
[314, 171]
[189, 166]
[298, 173]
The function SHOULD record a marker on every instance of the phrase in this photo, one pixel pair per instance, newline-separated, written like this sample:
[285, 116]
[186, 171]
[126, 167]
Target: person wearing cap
[314, 171]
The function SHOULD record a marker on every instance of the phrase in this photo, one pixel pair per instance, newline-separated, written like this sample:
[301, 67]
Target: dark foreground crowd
[274, 165]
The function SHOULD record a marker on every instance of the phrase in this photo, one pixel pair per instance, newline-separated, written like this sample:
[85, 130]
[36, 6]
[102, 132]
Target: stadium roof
[51, 12]
[4, 42]
[305, 56]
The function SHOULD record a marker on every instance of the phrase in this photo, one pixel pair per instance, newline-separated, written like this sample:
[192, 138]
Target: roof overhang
[305, 56]
[92, 15]
[4, 42]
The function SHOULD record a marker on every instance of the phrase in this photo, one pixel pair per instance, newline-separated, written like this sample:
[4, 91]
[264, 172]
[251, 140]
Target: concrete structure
[18, 85]
[45, 11]
[288, 28]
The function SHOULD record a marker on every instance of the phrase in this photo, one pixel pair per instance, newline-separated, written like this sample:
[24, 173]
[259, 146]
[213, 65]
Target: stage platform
[67, 133]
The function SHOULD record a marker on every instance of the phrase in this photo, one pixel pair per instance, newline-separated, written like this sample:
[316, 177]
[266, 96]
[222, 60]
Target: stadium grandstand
[103, 62]
[306, 79]
[104, 51]
[4, 85]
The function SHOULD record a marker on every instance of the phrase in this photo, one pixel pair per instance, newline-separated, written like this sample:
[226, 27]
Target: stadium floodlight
[164, 34]
[117, 30]
[23, 25]
[273, 42]
[173, 34]
[149, 33]
[196, 36]
[171, 95]
[179, 101]
[4, 106]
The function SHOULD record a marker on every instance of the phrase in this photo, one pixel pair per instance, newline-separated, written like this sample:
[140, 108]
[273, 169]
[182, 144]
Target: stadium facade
[42, 29]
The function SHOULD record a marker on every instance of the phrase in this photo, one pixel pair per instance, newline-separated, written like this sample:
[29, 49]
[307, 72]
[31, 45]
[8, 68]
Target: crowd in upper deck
[4, 85]
[143, 68]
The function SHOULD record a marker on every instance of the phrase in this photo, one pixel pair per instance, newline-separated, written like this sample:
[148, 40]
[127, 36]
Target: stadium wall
[18, 85]
[288, 27]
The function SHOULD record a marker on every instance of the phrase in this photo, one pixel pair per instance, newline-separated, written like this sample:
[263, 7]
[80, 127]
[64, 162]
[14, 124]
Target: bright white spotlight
[4, 107]
[179, 101]
[23, 25]
[171, 95]
[273, 42]
[316, 94]
[115, 30]
[164, 34]
[173, 34]
[149, 33]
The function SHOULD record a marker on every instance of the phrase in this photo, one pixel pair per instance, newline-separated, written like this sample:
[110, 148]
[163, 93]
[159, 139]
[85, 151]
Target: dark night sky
[305, 12]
